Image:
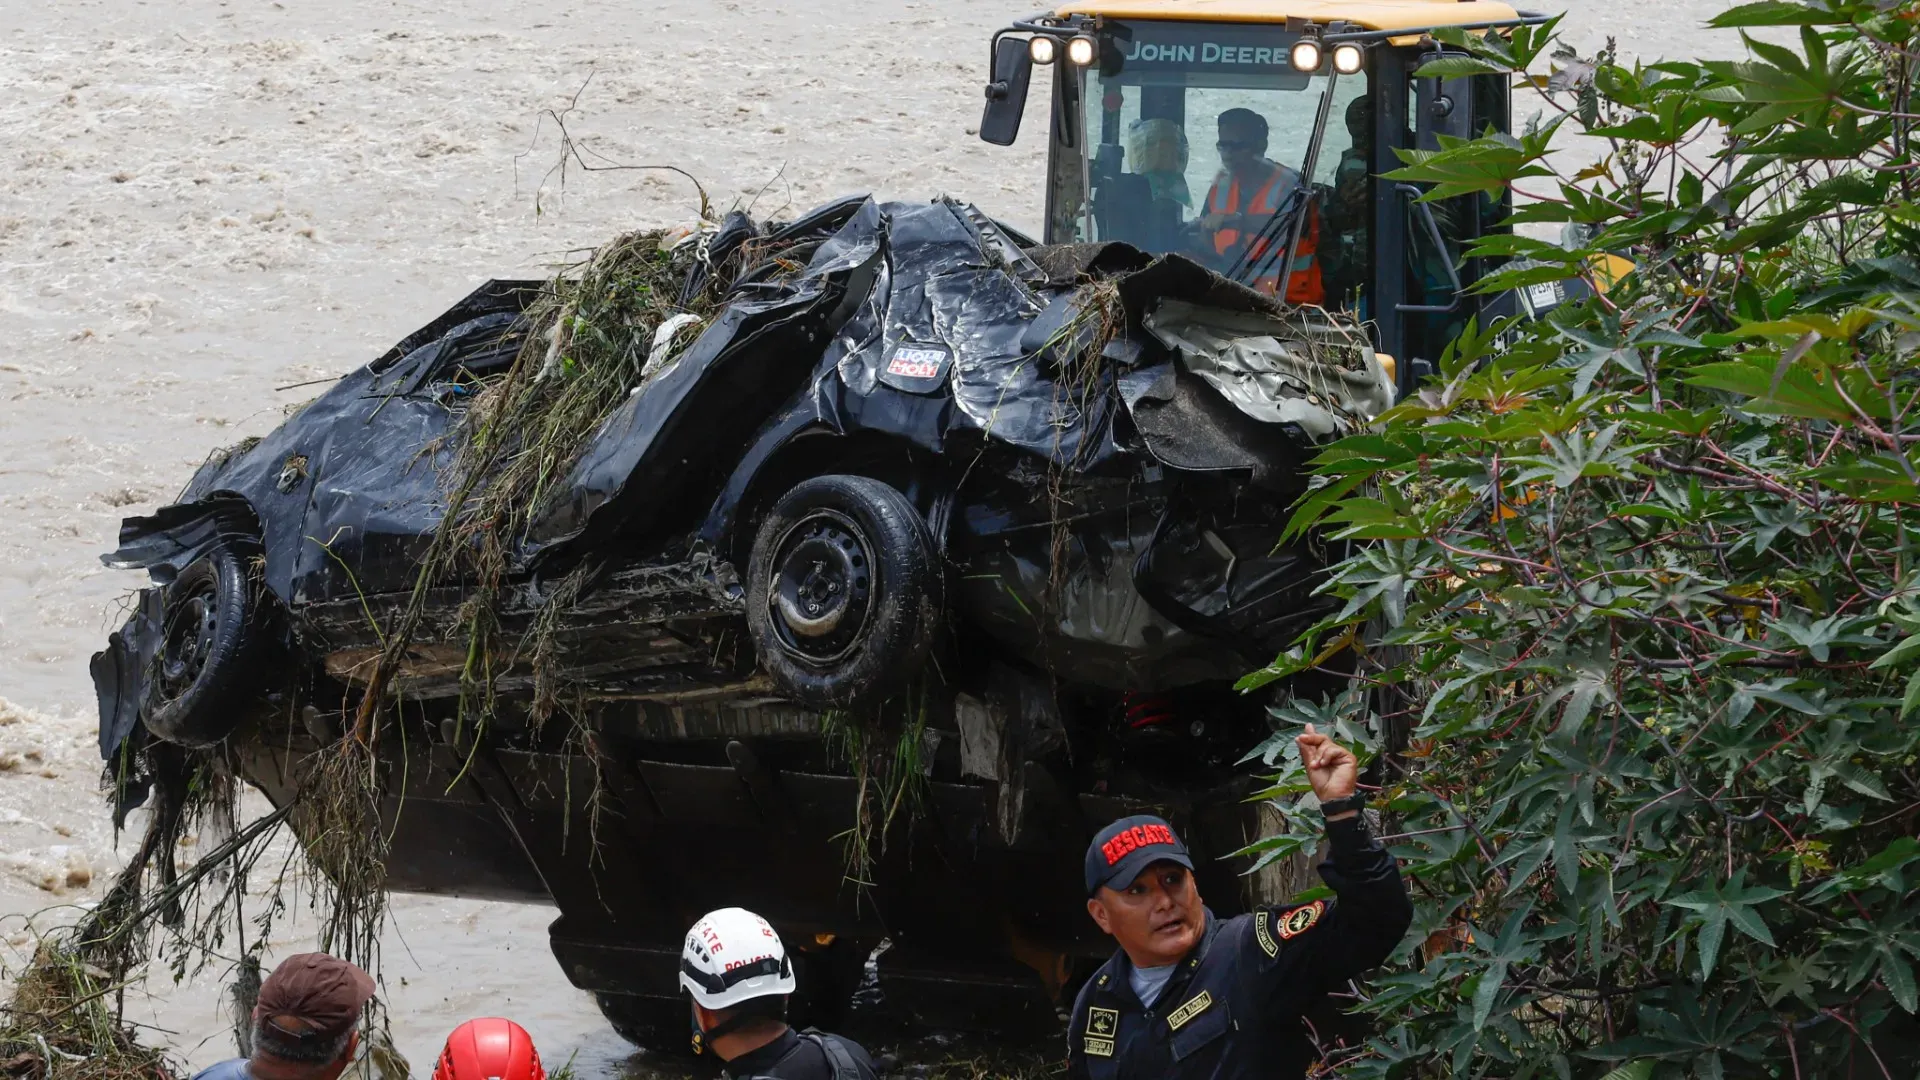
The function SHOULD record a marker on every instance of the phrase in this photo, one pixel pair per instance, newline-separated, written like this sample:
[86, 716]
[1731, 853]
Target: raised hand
[1331, 768]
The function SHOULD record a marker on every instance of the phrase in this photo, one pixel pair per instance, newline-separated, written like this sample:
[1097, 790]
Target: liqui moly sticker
[916, 362]
[917, 368]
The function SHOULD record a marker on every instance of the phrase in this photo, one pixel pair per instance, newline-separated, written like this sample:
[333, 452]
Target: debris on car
[725, 501]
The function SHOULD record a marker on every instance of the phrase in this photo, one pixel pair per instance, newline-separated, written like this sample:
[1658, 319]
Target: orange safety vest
[1304, 284]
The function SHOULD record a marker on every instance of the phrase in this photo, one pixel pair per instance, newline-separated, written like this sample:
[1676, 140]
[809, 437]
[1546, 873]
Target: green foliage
[1636, 587]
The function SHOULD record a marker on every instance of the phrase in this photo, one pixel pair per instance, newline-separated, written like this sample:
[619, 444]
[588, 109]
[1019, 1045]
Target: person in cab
[1243, 225]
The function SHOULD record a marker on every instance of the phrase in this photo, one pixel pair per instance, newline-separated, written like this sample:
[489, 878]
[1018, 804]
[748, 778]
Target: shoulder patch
[1263, 933]
[1301, 919]
[1178, 1018]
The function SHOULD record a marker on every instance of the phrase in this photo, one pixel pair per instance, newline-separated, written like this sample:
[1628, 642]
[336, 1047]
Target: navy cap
[1130, 845]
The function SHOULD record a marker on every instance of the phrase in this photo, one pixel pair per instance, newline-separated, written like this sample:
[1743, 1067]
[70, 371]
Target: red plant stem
[1796, 734]
[1856, 1034]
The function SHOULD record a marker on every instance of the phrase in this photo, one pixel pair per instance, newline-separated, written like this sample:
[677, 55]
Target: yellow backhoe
[1252, 135]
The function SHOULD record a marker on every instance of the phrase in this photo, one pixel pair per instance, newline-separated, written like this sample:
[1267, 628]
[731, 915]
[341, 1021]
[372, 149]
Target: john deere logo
[1203, 52]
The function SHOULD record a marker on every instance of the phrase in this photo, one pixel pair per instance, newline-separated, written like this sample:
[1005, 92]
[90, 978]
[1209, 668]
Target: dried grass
[64, 1019]
[587, 342]
[337, 816]
[61, 1025]
[889, 772]
[1081, 397]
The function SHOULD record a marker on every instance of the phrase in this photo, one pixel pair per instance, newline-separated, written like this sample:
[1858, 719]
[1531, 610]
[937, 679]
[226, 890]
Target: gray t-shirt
[231, 1069]
[1147, 984]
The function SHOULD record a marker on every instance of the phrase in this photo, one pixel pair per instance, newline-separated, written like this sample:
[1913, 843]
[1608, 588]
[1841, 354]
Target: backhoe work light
[1306, 55]
[1348, 59]
[1042, 49]
[1083, 51]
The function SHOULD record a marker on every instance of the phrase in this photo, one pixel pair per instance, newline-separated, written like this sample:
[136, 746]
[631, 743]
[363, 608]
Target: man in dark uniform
[1189, 995]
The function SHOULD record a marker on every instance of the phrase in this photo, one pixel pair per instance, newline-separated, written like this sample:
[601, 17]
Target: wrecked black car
[1018, 508]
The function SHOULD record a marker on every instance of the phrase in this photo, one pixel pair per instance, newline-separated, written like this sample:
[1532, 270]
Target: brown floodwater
[206, 202]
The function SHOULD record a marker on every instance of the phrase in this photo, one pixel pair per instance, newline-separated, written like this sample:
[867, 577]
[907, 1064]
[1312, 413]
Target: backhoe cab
[1185, 126]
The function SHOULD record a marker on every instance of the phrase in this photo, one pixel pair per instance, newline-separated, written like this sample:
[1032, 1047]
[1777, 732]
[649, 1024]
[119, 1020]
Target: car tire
[660, 1025]
[205, 668]
[843, 592]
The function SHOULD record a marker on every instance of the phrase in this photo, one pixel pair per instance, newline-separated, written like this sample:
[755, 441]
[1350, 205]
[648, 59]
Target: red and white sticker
[912, 363]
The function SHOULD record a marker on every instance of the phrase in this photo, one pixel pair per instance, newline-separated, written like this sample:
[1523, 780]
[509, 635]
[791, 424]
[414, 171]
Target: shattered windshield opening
[1194, 139]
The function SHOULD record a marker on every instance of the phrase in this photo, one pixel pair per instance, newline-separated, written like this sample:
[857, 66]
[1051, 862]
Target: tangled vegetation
[599, 329]
[1648, 586]
[586, 342]
[61, 1022]
[64, 1017]
[585, 345]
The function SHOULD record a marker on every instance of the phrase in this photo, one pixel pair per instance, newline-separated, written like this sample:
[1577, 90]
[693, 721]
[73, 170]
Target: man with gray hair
[306, 1023]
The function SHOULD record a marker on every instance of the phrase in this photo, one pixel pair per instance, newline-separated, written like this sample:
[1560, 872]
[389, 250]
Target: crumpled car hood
[1279, 371]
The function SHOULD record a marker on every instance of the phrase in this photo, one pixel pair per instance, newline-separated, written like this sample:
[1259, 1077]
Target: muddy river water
[204, 203]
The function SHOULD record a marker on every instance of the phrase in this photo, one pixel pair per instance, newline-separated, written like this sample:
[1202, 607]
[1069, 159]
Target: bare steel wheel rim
[820, 587]
[192, 628]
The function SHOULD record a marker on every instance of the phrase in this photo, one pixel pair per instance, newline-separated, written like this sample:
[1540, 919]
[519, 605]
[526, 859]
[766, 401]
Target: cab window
[1194, 139]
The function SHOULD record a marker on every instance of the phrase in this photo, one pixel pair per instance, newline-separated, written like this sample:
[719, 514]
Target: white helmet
[731, 956]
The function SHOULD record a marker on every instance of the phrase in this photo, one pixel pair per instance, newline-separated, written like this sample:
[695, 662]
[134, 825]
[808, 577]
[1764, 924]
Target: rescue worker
[1343, 249]
[739, 976]
[489, 1048]
[1191, 995]
[1351, 175]
[1241, 204]
[305, 1022]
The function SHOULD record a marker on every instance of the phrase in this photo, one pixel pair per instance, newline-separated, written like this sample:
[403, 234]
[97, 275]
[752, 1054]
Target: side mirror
[1007, 93]
[1442, 107]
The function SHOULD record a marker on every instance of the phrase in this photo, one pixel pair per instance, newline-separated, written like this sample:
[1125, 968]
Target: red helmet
[489, 1049]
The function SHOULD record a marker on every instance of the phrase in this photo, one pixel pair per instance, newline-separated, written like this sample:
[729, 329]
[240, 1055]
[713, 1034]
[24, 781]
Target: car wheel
[843, 592]
[662, 1025]
[196, 688]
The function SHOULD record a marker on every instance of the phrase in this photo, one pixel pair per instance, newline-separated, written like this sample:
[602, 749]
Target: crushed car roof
[919, 322]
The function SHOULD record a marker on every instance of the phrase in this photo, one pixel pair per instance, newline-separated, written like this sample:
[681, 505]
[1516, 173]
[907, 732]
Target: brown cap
[314, 994]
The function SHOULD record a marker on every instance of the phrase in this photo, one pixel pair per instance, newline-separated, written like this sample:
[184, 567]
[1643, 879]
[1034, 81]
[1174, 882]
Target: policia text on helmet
[738, 976]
